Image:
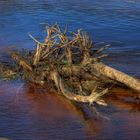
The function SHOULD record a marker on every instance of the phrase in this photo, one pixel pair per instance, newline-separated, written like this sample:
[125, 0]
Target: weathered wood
[80, 72]
[63, 89]
[77, 71]
[22, 62]
[101, 68]
[103, 71]
[116, 75]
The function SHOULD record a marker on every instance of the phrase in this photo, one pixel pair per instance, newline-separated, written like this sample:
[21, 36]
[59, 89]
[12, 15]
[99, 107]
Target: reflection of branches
[66, 64]
[81, 110]
[92, 122]
[123, 104]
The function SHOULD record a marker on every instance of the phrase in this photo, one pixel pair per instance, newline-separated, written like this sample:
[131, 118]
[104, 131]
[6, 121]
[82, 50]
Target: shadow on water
[28, 112]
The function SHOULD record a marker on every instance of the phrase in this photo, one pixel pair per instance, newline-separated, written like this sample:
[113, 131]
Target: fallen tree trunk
[69, 64]
[105, 71]
[100, 68]
[116, 75]
[84, 73]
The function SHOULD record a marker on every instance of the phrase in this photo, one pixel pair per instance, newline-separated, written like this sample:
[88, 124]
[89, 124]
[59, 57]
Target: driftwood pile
[70, 64]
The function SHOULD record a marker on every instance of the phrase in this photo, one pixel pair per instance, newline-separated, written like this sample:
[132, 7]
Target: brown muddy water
[33, 113]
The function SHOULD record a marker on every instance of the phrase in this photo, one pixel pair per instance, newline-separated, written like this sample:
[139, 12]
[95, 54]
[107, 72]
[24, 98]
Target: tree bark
[98, 68]
[103, 71]
[117, 75]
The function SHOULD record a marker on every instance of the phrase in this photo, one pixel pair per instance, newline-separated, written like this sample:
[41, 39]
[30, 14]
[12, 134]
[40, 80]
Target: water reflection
[39, 113]
[32, 113]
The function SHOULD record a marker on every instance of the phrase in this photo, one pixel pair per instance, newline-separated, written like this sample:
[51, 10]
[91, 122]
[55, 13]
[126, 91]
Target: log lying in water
[117, 75]
[109, 72]
[65, 61]
[101, 68]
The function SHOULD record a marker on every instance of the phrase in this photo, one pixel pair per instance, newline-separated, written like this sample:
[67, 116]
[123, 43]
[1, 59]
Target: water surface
[29, 113]
[26, 115]
[115, 22]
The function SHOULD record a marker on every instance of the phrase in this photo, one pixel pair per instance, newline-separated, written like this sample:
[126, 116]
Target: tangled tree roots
[67, 61]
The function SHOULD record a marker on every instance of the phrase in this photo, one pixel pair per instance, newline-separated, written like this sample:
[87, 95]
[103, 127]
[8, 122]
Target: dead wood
[70, 63]
[105, 73]
[62, 88]
[116, 75]
[22, 62]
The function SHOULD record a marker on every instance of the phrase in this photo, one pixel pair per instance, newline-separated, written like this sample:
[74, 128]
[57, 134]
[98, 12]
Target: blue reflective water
[116, 22]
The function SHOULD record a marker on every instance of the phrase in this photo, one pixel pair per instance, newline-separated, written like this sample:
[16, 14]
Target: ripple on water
[28, 113]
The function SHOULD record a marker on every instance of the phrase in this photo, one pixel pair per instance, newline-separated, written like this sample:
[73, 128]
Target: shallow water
[115, 22]
[25, 115]
[36, 114]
